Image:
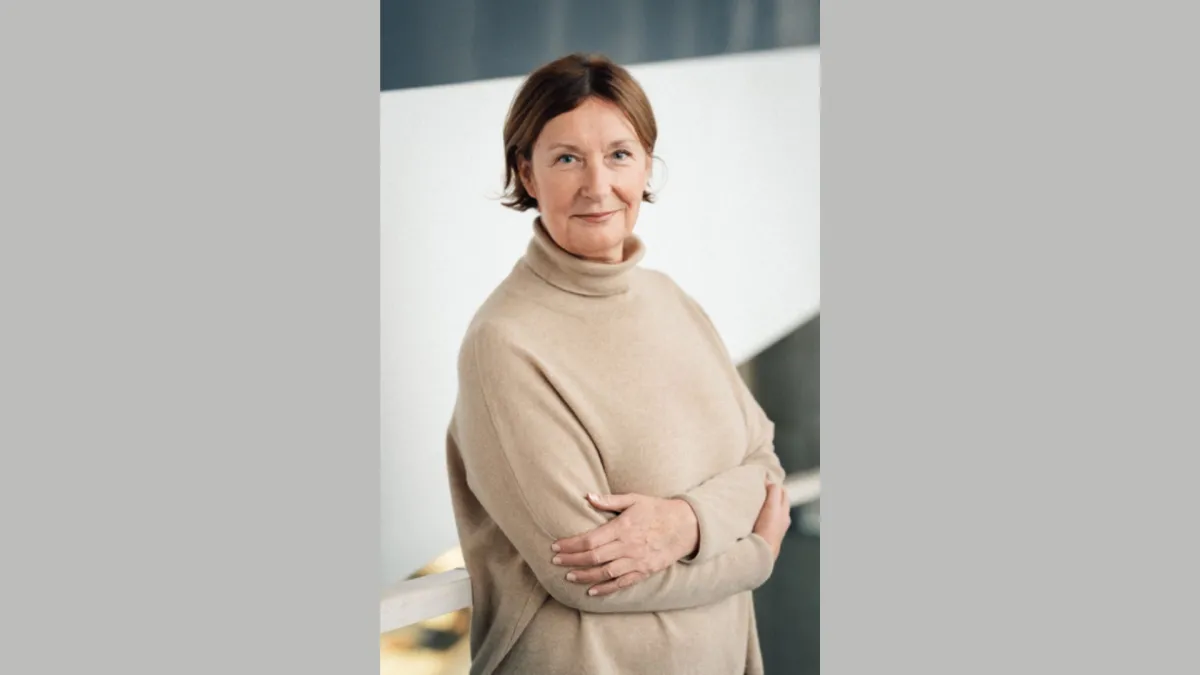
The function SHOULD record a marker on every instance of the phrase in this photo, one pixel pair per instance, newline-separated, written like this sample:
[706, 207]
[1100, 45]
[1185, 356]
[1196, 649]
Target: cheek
[630, 188]
[558, 191]
[630, 191]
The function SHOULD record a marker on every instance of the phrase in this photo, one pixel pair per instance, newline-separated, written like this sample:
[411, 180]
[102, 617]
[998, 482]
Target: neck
[609, 275]
[612, 256]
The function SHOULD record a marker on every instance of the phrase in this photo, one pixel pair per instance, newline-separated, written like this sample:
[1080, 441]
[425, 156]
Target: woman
[615, 484]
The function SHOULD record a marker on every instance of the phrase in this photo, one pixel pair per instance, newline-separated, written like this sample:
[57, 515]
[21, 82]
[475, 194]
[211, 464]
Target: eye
[623, 154]
[565, 159]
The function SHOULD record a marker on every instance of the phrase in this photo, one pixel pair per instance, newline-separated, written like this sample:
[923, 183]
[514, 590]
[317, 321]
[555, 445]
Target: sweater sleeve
[530, 463]
[728, 503]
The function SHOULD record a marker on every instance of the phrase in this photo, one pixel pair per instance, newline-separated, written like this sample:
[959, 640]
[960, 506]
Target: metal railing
[426, 597]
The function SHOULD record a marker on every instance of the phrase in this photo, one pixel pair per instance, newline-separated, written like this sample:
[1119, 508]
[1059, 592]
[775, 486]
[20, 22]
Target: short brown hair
[559, 87]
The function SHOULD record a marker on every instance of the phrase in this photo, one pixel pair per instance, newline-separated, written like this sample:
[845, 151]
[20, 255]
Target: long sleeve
[728, 503]
[530, 464]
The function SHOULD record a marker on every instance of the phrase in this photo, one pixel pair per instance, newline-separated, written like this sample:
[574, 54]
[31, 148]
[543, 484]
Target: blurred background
[736, 91]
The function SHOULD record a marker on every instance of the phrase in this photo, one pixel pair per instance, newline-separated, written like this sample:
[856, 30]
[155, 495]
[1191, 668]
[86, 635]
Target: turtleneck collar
[554, 265]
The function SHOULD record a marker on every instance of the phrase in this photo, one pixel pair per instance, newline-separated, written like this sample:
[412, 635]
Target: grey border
[190, 359]
[190, 350]
[1010, 334]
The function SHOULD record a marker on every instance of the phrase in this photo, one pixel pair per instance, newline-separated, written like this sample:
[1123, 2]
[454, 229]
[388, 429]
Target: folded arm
[728, 503]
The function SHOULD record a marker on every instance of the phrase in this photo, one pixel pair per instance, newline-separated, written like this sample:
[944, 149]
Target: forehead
[593, 122]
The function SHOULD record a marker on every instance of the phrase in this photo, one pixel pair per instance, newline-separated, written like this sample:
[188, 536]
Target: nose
[597, 182]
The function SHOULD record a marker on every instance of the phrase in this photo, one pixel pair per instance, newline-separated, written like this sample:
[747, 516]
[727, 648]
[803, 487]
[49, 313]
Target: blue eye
[626, 154]
[562, 157]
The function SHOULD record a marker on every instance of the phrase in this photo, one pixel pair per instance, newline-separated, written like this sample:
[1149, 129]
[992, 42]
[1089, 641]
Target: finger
[594, 575]
[610, 587]
[772, 493]
[615, 503]
[589, 540]
[597, 556]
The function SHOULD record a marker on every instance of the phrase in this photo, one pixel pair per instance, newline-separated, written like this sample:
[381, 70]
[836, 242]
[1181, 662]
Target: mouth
[597, 217]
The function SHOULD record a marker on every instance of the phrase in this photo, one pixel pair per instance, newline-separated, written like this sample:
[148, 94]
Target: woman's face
[588, 171]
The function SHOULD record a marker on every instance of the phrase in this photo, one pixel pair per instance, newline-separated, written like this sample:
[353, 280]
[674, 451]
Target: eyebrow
[568, 146]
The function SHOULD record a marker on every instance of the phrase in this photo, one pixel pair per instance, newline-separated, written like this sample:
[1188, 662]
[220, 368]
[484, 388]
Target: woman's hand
[775, 517]
[650, 535]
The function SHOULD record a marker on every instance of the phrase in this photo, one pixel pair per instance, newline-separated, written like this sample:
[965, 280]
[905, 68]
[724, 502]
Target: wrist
[689, 528]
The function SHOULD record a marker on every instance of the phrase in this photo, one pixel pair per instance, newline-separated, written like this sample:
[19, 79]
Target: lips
[599, 217]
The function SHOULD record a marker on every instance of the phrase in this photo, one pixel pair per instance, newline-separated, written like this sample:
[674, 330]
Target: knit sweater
[580, 377]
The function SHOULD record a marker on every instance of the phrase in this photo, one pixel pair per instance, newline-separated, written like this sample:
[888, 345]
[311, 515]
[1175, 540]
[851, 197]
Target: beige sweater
[578, 377]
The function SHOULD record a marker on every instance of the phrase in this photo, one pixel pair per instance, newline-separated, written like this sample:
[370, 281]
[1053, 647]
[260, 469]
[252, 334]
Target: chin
[598, 239]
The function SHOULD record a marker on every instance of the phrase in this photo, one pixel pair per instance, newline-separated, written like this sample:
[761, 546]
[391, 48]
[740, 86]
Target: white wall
[737, 225]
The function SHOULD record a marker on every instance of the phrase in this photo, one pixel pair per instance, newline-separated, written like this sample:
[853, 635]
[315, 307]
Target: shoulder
[660, 284]
[502, 318]
[665, 289]
[502, 338]
[490, 341]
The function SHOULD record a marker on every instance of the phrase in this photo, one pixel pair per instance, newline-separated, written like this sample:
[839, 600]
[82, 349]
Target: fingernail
[557, 560]
[570, 576]
[591, 591]
[593, 497]
[555, 548]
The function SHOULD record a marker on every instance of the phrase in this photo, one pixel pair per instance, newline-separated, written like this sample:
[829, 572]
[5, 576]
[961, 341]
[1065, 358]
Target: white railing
[803, 488]
[437, 594]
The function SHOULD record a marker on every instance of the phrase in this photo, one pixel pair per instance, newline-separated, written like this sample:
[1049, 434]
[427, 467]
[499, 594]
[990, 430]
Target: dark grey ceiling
[429, 42]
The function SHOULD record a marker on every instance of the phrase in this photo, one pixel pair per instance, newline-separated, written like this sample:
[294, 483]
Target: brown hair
[559, 87]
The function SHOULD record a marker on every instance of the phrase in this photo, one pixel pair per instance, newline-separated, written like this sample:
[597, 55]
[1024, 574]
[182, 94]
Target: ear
[525, 173]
